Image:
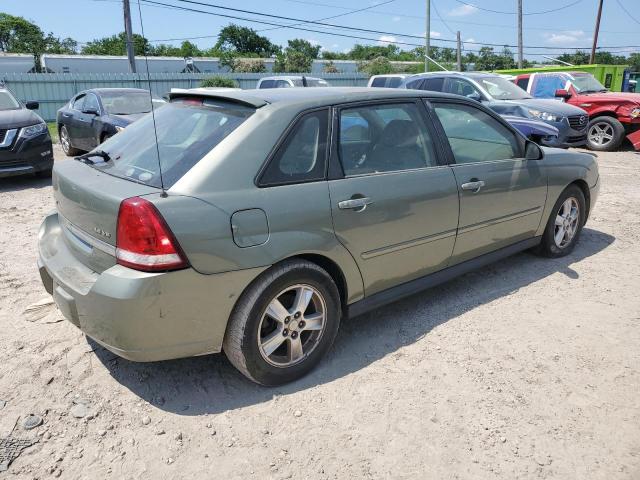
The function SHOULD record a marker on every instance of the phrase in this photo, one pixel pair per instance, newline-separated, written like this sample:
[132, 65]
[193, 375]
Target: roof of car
[317, 96]
[290, 77]
[116, 90]
[458, 74]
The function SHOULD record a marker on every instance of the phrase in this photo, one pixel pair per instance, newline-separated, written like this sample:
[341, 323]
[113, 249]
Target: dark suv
[505, 98]
[25, 143]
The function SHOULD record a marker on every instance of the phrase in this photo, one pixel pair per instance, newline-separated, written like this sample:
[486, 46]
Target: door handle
[474, 186]
[357, 204]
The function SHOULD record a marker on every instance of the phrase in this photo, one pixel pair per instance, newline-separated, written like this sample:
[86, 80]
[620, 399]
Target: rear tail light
[144, 240]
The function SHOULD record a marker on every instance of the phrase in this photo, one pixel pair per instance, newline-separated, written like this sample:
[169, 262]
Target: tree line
[241, 49]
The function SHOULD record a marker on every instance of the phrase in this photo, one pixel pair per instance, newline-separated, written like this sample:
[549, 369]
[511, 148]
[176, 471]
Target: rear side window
[187, 130]
[474, 135]
[378, 82]
[523, 83]
[433, 84]
[415, 84]
[303, 155]
[384, 138]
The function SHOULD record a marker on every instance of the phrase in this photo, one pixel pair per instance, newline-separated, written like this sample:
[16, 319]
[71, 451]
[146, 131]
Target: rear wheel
[605, 134]
[284, 323]
[65, 142]
[564, 225]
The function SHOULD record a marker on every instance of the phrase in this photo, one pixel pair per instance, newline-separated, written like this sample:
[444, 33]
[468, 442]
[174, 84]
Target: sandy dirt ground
[528, 369]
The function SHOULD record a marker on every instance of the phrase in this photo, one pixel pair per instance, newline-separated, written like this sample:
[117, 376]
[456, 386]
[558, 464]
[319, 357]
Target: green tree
[330, 67]
[297, 57]
[117, 45]
[244, 40]
[376, 66]
[218, 81]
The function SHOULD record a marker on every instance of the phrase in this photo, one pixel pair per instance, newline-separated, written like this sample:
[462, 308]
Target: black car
[25, 143]
[94, 115]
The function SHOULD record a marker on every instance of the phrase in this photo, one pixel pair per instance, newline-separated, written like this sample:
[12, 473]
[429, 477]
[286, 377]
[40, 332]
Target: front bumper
[27, 156]
[567, 136]
[137, 315]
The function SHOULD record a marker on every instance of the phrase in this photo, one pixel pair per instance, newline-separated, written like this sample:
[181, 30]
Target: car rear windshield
[7, 102]
[187, 129]
[126, 103]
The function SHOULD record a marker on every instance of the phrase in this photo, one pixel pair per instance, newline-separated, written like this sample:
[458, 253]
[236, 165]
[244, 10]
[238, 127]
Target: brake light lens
[144, 240]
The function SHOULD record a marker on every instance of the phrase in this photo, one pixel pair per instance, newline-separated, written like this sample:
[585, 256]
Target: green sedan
[251, 222]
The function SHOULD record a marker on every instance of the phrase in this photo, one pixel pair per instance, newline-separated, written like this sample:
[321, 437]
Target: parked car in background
[613, 115]
[505, 98]
[291, 81]
[391, 80]
[25, 143]
[535, 130]
[248, 227]
[94, 115]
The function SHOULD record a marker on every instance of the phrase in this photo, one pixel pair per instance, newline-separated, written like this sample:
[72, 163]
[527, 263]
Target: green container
[611, 76]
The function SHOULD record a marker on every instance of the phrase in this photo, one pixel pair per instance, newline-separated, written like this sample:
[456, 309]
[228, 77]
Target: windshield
[187, 130]
[7, 102]
[127, 103]
[501, 88]
[586, 83]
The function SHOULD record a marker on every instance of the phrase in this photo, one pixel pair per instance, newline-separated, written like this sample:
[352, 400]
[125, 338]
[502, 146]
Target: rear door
[502, 195]
[394, 203]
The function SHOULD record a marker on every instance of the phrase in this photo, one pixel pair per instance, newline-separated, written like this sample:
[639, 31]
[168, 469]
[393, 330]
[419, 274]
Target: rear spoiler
[234, 97]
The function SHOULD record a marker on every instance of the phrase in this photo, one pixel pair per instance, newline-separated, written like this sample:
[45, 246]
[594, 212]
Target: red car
[613, 115]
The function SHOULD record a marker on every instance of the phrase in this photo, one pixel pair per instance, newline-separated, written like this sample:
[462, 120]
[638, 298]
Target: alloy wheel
[601, 133]
[64, 140]
[292, 325]
[566, 224]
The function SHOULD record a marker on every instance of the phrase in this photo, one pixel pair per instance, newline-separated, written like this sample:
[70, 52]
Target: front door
[85, 122]
[396, 207]
[502, 195]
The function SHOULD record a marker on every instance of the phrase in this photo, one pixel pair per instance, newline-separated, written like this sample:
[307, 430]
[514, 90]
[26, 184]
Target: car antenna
[153, 112]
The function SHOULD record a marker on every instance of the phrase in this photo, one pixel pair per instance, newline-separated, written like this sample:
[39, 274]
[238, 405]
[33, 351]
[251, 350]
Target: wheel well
[604, 114]
[582, 185]
[333, 270]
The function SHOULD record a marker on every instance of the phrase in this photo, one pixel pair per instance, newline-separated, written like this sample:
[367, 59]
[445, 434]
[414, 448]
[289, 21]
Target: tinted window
[394, 82]
[384, 138]
[91, 102]
[283, 84]
[302, 157]
[433, 84]
[458, 86]
[415, 84]
[474, 135]
[523, 83]
[378, 82]
[77, 103]
[7, 102]
[267, 84]
[187, 130]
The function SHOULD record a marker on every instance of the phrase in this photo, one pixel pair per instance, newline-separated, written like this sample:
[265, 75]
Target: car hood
[520, 107]
[127, 119]
[18, 118]
[530, 126]
[610, 97]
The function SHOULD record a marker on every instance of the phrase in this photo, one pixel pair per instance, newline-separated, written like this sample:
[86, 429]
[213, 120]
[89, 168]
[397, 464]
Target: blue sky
[85, 20]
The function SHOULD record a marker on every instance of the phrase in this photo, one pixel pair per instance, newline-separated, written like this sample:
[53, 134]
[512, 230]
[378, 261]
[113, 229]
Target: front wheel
[284, 323]
[605, 134]
[564, 225]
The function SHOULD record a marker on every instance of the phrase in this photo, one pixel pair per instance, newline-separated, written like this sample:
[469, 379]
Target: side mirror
[475, 96]
[532, 151]
[90, 110]
[32, 105]
[562, 93]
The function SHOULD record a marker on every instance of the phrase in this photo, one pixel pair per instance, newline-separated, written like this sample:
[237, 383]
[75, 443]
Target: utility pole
[459, 51]
[520, 54]
[427, 36]
[127, 29]
[595, 35]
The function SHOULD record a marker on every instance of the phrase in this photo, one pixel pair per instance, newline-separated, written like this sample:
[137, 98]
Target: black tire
[242, 336]
[65, 142]
[549, 246]
[609, 125]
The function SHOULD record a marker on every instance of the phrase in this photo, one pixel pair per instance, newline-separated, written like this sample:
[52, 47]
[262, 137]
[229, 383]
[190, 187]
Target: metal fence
[53, 90]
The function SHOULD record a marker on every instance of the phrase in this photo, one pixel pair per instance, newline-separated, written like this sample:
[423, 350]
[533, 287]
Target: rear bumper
[137, 315]
[25, 157]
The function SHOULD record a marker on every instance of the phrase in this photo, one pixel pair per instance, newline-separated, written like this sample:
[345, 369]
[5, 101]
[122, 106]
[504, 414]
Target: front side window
[267, 84]
[302, 156]
[474, 135]
[384, 138]
[7, 102]
[587, 83]
[91, 103]
[77, 103]
[394, 82]
[187, 129]
[378, 82]
[458, 86]
[283, 84]
[502, 89]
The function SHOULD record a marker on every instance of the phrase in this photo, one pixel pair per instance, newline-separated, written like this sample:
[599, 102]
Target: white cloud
[386, 39]
[462, 11]
[566, 36]
[313, 42]
[435, 34]
[470, 39]
[396, 19]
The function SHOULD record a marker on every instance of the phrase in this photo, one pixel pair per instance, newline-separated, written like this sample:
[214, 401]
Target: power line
[627, 12]
[435, 8]
[542, 12]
